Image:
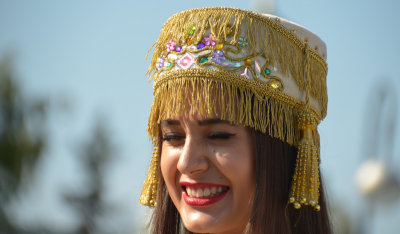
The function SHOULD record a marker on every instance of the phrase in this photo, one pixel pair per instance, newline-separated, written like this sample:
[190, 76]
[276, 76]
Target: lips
[202, 194]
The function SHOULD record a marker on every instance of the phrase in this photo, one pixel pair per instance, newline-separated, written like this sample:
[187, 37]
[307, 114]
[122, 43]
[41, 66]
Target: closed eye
[172, 137]
[220, 135]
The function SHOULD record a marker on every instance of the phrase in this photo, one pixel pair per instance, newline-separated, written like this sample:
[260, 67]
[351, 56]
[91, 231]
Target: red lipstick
[195, 201]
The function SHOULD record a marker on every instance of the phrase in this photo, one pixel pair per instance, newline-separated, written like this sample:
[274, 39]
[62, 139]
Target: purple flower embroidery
[210, 40]
[171, 46]
[160, 62]
[218, 56]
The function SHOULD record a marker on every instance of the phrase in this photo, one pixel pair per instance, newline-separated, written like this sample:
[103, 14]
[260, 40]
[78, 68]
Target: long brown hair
[274, 165]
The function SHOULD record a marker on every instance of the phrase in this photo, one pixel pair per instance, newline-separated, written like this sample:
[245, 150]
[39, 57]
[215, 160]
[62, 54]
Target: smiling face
[208, 168]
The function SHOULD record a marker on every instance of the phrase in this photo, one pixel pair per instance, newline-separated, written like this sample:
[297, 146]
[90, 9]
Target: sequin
[245, 73]
[275, 84]
[172, 56]
[210, 40]
[219, 46]
[160, 62]
[185, 61]
[237, 64]
[242, 42]
[203, 60]
[192, 29]
[200, 46]
[171, 46]
[204, 52]
[218, 56]
[178, 48]
[249, 62]
[258, 68]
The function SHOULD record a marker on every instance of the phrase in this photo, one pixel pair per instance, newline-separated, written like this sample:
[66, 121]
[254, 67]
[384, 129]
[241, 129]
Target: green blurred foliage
[22, 139]
[89, 204]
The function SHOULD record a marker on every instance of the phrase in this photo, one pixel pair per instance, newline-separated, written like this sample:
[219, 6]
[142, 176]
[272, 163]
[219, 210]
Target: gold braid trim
[278, 44]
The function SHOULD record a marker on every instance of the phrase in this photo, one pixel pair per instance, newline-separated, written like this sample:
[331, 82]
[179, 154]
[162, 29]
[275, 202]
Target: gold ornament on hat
[149, 191]
[305, 183]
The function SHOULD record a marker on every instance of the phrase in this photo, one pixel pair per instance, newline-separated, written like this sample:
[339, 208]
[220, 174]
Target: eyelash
[213, 136]
[220, 135]
[170, 137]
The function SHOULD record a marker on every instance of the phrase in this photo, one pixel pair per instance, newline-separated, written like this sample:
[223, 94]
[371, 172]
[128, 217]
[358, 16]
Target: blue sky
[90, 56]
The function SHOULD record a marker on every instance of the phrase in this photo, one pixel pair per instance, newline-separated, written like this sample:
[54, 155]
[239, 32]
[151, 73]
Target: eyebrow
[170, 122]
[200, 122]
[213, 121]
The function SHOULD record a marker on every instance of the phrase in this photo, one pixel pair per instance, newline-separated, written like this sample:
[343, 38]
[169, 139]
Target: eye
[172, 137]
[220, 135]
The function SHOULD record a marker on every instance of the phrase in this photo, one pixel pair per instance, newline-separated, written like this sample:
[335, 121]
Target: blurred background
[74, 101]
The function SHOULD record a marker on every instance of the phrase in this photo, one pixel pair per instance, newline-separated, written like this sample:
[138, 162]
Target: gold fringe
[231, 97]
[211, 93]
[279, 45]
[149, 191]
[305, 183]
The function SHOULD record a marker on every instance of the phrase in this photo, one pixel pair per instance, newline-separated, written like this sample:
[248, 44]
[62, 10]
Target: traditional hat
[254, 69]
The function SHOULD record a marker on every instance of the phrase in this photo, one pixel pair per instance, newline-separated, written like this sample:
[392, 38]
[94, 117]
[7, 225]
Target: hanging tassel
[149, 191]
[305, 186]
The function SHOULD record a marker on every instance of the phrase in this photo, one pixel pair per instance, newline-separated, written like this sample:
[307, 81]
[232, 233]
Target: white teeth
[213, 190]
[199, 193]
[204, 192]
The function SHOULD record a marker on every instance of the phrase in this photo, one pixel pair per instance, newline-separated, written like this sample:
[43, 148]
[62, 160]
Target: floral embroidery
[242, 42]
[210, 40]
[171, 46]
[217, 54]
[160, 62]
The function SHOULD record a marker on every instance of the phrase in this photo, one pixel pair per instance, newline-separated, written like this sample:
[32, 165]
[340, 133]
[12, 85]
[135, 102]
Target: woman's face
[208, 168]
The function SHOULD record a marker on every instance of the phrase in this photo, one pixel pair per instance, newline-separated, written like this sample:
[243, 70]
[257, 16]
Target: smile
[202, 194]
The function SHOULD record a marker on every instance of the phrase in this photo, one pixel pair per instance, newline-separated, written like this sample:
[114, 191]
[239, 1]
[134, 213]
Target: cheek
[169, 160]
[244, 175]
[241, 167]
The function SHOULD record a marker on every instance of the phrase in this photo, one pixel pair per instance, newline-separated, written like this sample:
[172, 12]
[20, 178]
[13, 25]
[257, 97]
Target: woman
[237, 99]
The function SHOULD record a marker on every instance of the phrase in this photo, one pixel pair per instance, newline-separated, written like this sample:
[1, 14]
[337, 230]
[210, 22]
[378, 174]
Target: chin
[199, 222]
[202, 222]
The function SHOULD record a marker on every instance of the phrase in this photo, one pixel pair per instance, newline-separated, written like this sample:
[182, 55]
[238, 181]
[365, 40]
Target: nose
[193, 159]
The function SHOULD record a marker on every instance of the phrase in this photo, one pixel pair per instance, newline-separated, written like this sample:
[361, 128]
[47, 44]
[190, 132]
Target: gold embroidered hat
[254, 69]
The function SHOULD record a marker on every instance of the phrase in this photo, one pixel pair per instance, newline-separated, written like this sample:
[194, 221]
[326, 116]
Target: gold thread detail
[262, 33]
